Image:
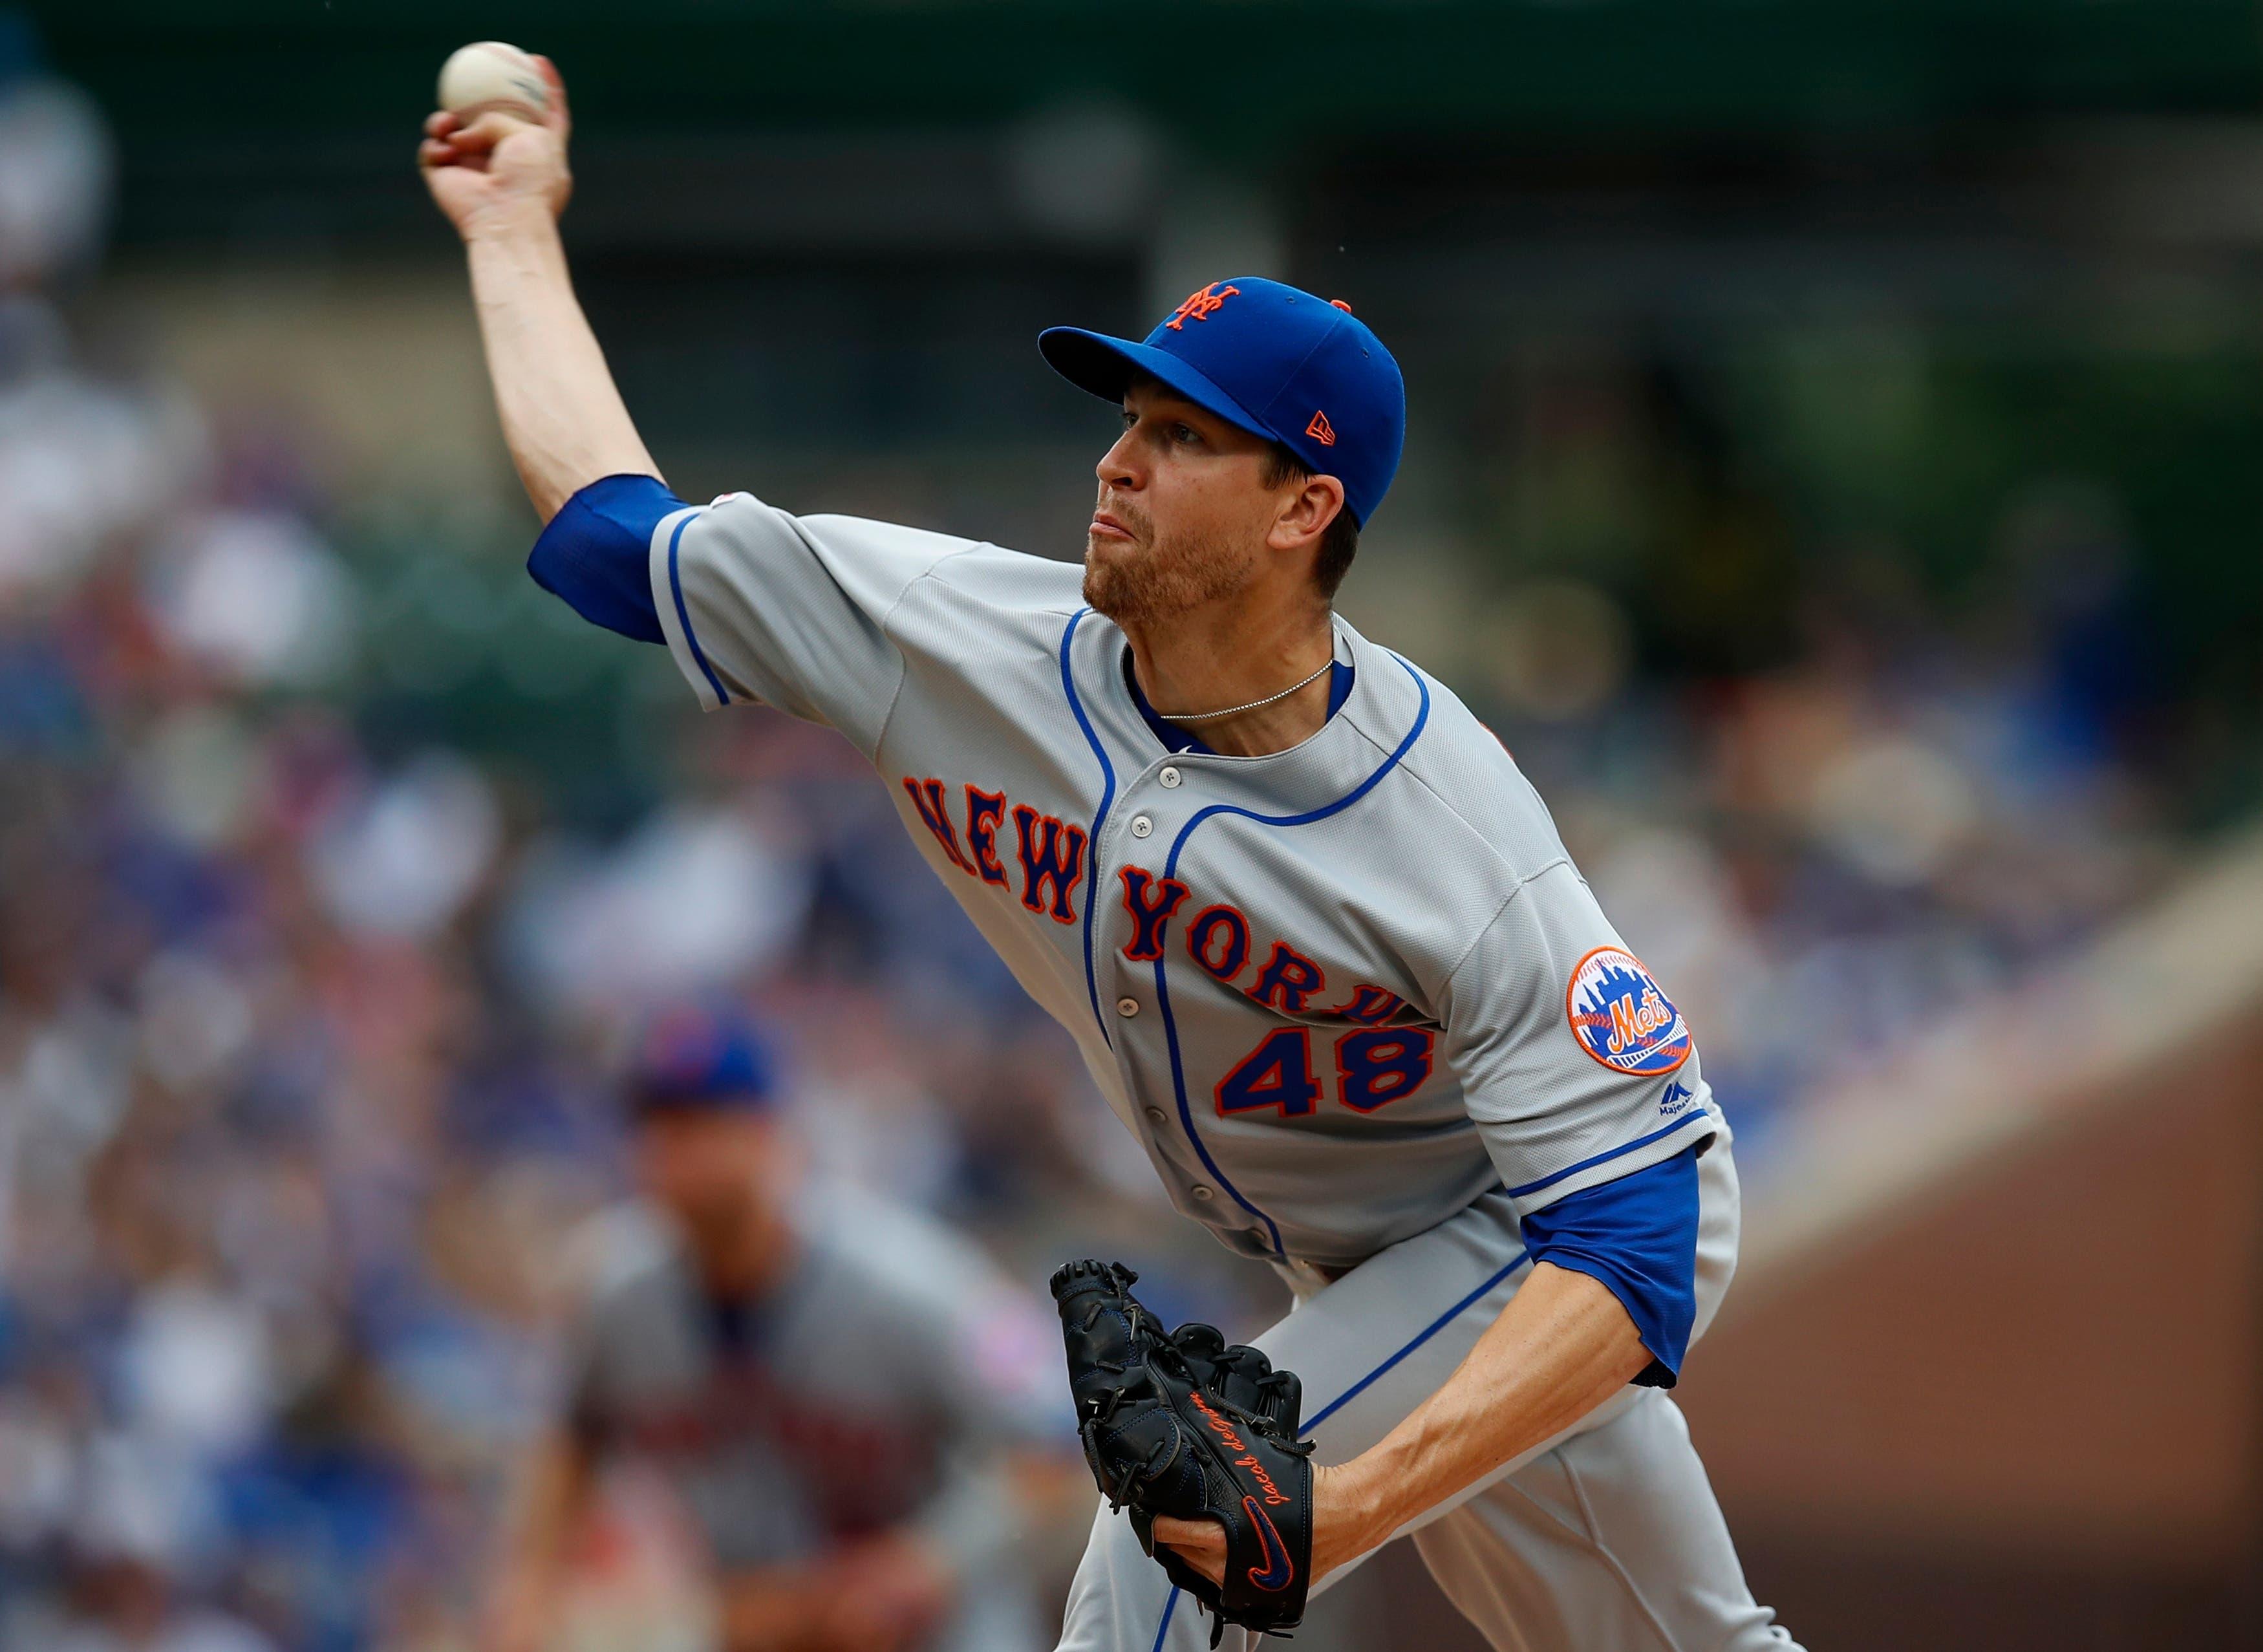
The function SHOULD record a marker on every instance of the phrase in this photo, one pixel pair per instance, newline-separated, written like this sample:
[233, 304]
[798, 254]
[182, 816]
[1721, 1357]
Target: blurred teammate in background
[840, 1395]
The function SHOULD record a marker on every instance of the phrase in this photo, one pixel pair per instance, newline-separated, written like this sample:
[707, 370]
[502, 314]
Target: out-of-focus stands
[1991, 1367]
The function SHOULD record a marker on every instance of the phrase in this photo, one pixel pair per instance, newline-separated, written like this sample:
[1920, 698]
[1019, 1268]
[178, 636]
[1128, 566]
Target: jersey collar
[1384, 702]
[1341, 677]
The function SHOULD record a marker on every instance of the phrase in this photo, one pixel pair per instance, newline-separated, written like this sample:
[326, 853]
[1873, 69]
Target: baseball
[488, 76]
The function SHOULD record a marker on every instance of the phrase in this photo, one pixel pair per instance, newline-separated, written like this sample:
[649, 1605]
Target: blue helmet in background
[691, 1058]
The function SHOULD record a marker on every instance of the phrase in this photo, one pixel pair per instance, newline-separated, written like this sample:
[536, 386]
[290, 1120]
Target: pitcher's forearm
[1561, 1347]
[562, 415]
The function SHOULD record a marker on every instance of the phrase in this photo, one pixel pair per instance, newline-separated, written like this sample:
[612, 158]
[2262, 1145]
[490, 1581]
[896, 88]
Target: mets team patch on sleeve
[1623, 1018]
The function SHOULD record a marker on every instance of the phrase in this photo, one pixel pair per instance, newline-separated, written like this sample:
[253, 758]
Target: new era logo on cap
[1269, 359]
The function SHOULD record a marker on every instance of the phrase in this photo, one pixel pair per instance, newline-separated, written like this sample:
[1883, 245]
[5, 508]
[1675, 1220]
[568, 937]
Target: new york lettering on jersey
[1377, 1060]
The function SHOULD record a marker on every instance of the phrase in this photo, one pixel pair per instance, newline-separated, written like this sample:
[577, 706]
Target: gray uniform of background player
[885, 1377]
[1397, 850]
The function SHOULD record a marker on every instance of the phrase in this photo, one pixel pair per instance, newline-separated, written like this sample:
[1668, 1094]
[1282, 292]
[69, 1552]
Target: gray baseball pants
[1607, 1539]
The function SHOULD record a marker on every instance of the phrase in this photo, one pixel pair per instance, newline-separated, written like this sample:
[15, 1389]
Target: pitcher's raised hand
[499, 166]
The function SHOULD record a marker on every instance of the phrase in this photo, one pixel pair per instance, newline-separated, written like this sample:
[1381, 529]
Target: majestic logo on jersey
[1623, 1018]
[1202, 304]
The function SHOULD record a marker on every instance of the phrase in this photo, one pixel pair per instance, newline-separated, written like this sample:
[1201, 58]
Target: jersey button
[1141, 825]
[1127, 1006]
[1199, 1191]
[1154, 1115]
[1170, 776]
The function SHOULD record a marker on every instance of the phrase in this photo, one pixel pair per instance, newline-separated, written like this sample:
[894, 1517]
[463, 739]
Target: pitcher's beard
[1138, 585]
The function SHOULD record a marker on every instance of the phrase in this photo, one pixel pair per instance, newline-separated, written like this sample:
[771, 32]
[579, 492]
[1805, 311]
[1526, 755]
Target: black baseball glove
[1183, 1423]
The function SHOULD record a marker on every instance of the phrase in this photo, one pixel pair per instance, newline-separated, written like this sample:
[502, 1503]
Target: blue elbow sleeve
[595, 553]
[1638, 1236]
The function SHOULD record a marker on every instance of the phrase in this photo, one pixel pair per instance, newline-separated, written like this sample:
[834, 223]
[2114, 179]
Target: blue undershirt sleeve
[597, 553]
[1638, 1236]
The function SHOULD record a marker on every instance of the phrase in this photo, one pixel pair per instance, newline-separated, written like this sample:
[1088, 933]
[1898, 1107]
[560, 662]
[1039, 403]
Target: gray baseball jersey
[875, 1386]
[1338, 992]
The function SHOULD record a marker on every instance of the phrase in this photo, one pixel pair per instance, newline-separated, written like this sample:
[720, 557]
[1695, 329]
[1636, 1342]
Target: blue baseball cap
[1278, 362]
[692, 1058]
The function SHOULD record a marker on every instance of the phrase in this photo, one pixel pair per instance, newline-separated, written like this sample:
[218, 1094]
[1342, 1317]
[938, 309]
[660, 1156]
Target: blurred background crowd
[1847, 511]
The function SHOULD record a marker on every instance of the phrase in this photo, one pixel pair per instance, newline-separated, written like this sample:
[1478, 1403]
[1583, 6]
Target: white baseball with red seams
[1353, 999]
[490, 75]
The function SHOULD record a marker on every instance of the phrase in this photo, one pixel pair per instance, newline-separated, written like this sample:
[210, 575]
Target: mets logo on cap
[1623, 1018]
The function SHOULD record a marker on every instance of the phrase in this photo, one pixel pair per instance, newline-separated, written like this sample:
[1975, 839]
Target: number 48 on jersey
[1374, 1066]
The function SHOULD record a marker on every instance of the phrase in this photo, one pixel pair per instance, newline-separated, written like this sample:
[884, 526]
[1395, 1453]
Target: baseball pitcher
[1315, 936]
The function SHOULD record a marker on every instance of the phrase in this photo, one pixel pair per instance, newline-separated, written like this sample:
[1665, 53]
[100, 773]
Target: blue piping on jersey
[1432, 1330]
[1099, 820]
[1361, 1387]
[1171, 870]
[1604, 1158]
[683, 614]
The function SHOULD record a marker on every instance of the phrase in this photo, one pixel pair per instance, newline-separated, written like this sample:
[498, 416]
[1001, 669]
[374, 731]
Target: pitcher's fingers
[441, 122]
[1200, 1543]
[1208, 1565]
[470, 159]
[485, 133]
[1189, 1534]
[561, 114]
[435, 156]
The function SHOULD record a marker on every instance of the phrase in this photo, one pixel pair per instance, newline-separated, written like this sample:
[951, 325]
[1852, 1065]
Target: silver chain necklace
[1236, 711]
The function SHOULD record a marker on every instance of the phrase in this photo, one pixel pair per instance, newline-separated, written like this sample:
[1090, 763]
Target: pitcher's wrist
[1351, 1514]
[528, 220]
